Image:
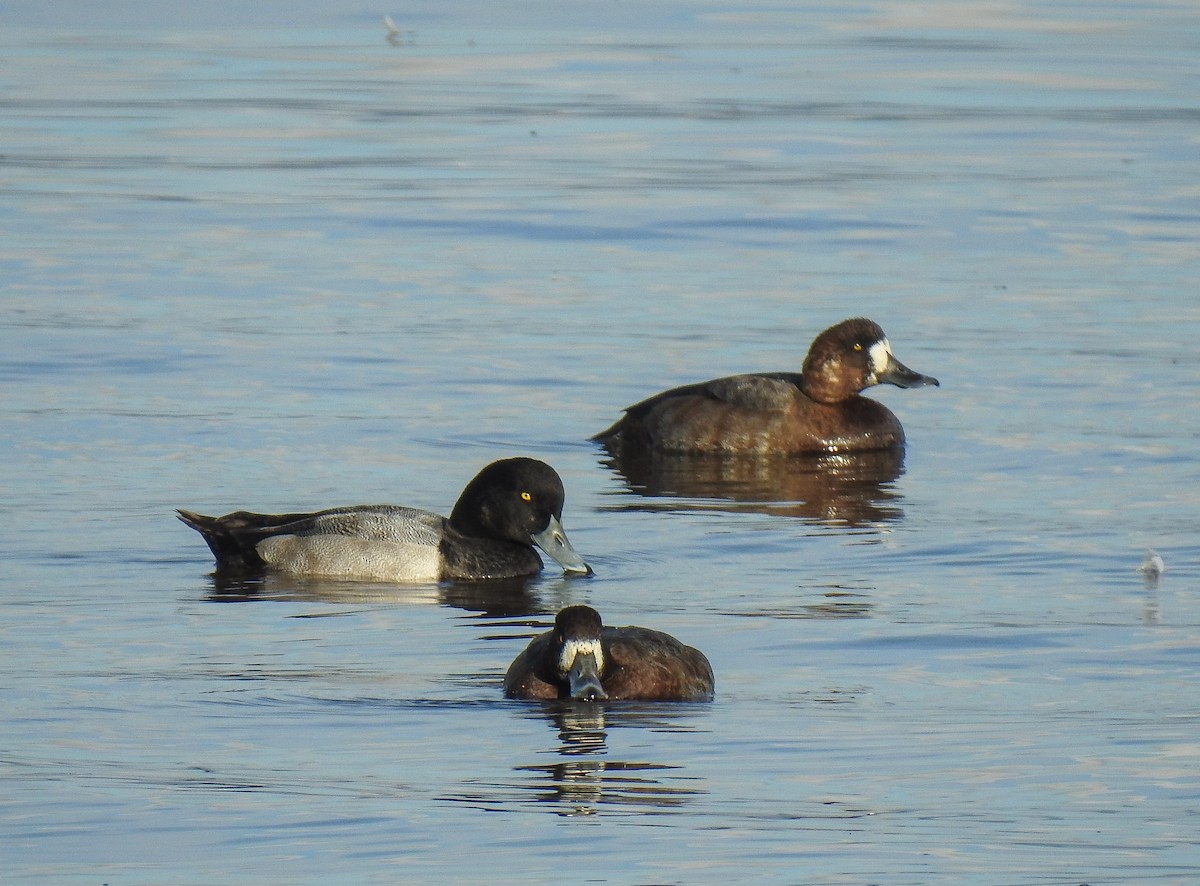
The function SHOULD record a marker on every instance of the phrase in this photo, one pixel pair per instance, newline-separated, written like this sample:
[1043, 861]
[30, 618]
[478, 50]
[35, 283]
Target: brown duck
[582, 659]
[820, 409]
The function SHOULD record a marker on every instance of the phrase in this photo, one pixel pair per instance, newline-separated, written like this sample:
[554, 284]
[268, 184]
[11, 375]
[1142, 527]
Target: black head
[513, 498]
[518, 500]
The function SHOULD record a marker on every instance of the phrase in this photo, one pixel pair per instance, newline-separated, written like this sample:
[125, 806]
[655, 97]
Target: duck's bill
[583, 680]
[553, 540]
[896, 373]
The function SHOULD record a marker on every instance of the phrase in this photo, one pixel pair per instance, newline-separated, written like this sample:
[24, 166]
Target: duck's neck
[825, 383]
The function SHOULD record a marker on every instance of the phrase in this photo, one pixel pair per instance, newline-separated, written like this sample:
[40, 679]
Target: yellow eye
[858, 346]
[525, 496]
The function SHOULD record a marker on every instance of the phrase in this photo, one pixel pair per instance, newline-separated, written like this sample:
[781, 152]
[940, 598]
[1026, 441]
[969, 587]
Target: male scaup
[511, 505]
[582, 659]
[816, 410]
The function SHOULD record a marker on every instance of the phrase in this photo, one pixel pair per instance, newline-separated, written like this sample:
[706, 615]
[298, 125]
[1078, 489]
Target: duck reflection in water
[854, 489]
[581, 787]
[586, 781]
[495, 598]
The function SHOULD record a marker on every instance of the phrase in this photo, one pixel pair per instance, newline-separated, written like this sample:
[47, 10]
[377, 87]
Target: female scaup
[511, 505]
[583, 659]
[816, 410]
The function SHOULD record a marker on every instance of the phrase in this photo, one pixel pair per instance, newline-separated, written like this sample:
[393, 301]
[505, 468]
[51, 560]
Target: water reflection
[586, 781]
[497, 598]
[849, 489]
[580, 727]
[582, 787]
[1151, 611]
[832, 602]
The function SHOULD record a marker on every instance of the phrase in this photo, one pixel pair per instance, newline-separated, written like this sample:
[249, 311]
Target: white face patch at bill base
[574, 648]
[880, 354]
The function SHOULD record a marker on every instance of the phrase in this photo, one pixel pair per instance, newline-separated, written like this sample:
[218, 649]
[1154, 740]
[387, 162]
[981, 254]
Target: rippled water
[279, 262]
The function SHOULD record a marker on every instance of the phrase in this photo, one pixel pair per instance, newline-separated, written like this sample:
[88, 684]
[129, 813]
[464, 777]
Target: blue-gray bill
[583, 680]
[553, 540]
[896, 373]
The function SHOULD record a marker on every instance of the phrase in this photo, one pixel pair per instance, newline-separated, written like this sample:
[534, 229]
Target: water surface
[288, 264]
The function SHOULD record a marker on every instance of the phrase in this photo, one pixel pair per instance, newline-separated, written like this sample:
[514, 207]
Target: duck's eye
[858, 346]
[525, 496]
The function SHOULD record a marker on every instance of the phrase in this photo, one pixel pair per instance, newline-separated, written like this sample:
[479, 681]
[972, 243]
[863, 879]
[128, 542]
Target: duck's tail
[227, 537]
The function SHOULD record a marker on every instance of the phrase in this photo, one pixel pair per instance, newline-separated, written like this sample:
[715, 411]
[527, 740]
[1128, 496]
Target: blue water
[273, 260]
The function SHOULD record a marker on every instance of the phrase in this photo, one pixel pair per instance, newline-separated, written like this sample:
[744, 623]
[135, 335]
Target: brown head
[576, 653]
[853, 355]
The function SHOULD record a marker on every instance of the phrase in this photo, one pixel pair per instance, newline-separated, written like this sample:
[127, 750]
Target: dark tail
[233, 549]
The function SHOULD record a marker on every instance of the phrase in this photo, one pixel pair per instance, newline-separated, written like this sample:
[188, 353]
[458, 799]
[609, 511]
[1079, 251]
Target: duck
[582, 659]
[510, 506]
[817, 410]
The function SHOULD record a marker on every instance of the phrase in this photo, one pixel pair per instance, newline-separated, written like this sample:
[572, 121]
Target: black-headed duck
[816, 410]
[510, 506]
[582, 659]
